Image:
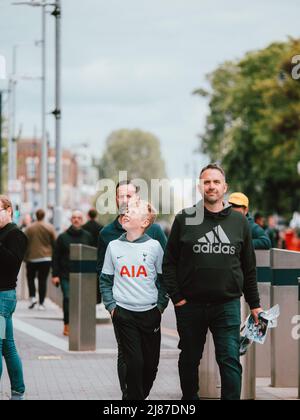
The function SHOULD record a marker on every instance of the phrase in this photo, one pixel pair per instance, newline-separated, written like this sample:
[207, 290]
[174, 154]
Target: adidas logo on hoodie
[215, 242]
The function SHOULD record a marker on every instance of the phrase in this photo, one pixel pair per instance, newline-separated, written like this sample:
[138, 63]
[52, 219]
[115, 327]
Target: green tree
[253, 127]
[134, 151]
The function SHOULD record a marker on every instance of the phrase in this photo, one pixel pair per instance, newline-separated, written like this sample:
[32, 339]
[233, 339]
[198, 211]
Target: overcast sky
[134, 64]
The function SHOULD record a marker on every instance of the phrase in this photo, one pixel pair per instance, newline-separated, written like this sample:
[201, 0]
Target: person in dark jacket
[240, 203]
[207, 267]
[93, 227]
[61, 259]
[13, 245]
[125, 192]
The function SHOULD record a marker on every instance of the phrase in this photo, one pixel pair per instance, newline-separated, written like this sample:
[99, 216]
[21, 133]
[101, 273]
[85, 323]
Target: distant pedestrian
[92, 226]
[12, 250]
[260, 220]
[41, 239]
[61, 259]
[240, 203]
[273, 232]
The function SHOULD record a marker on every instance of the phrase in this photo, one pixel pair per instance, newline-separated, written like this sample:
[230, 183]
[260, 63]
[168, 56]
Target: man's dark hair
[40, 215]
[120, 184]
[258, 216]
[92, 214]
[215, 166]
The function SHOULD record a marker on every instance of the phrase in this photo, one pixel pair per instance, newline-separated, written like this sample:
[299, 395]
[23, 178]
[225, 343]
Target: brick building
[29, 173]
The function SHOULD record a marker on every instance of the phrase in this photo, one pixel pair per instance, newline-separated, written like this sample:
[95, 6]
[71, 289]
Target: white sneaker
[32, 303]
[16, 396]
[41, 308]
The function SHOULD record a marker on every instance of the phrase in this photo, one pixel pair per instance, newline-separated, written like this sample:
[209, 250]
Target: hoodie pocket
[214, 284]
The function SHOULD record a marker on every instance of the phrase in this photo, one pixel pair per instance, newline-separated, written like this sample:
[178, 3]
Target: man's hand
[181, 303]
[55, 281]
[112, 313]
[255, 313]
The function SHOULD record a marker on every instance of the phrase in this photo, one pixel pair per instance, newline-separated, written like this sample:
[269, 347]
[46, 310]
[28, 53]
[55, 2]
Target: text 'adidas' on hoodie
[212, 262]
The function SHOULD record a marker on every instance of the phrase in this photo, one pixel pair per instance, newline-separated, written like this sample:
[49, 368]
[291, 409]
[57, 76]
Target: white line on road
[41, 335]
[61, 344]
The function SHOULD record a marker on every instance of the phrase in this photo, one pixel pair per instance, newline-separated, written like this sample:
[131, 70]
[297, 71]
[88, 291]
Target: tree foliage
[253, 127]
[136, 152]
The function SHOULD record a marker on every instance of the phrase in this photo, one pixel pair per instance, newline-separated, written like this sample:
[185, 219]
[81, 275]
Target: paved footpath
[53, 373]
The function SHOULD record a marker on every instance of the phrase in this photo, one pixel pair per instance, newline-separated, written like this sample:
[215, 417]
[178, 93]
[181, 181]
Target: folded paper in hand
[258, 333]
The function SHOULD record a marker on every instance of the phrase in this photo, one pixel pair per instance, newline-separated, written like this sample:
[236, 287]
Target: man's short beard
[210, 200]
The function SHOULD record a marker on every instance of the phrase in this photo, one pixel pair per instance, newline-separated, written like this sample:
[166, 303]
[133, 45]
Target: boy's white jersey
[135, 266]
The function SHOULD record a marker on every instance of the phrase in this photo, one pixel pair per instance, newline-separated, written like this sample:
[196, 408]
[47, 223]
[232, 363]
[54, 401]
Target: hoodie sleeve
[170, 261]
[56, 259]
[101, 250]
[163, 298]
[107, 281]
[248, 261]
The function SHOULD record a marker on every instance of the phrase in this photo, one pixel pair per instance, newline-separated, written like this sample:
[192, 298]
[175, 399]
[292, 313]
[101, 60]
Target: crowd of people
[202, 268]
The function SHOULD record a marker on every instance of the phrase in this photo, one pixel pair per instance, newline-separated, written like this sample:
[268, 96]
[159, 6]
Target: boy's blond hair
[150, 211]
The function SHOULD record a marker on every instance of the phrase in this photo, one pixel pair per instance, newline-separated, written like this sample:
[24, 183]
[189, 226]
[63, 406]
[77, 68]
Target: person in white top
[132, 291]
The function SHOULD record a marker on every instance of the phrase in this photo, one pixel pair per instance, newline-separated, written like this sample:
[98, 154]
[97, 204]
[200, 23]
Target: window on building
[31, 167]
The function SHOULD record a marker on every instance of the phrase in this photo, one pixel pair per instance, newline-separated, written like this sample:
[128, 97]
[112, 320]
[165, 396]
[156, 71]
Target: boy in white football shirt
[132, 292]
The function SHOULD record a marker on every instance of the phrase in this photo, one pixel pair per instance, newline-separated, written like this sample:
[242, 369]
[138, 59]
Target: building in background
[80, 176]
[29, 176]
[87, 176]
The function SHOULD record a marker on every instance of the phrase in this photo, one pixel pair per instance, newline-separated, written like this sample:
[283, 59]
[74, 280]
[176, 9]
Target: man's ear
[226, 187]
[201, 187]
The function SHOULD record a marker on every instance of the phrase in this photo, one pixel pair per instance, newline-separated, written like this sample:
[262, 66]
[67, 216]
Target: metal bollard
[284, 291]
[209, 376]
[264, 278]
[83, 298]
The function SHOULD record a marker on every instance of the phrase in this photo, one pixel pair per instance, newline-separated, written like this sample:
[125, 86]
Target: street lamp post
[44, 157]
[12, 146]
[57, 114]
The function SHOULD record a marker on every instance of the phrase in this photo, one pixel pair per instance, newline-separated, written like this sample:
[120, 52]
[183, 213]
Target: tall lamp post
[57, 114]
[44, 157]
[12, 146]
